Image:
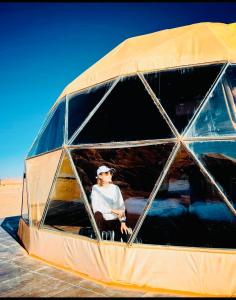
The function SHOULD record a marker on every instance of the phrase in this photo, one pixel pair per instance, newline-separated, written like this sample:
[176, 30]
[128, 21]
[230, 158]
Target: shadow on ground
[10, 225]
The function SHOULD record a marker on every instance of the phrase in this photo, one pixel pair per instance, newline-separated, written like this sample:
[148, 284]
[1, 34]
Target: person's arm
[121, 208]
[121, 205]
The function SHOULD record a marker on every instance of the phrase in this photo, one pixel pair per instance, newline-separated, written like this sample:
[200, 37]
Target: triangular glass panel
[53, 135]
[218, 116]
[219, 158]
[25, 207]
[188, 210]
[136, 172]
[66, 209]
[181, 91]
[81, 104]
[127, 114]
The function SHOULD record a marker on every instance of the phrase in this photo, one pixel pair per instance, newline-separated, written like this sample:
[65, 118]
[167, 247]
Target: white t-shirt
[106, 198]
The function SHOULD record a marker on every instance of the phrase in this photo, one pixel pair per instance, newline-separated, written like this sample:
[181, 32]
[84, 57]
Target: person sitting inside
[108, 205]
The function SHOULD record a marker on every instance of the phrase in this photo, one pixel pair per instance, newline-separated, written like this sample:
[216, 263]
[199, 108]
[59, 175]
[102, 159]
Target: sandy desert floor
[10, 198]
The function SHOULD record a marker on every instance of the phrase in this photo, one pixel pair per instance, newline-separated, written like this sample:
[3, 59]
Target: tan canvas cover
[187, 45]
[188, 270]
[66, 187]
[40, 172]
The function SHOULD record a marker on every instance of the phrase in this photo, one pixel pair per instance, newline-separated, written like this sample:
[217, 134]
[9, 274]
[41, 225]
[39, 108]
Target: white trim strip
[210, 138]
[122, 144]
[66, 122]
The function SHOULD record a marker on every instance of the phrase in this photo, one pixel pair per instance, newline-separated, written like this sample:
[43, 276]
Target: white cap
[104, 169]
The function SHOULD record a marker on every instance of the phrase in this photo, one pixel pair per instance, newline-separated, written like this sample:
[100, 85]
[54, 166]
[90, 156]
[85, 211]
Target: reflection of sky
[214, 120]
[221, 147]
[212, 211]
[135, 205]
[168, 208]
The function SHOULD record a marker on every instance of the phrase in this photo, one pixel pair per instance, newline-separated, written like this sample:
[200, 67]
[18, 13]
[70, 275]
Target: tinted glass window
[219, 158]
[218, 116]
[81, 104]
[137, 170]
[53, 135]
[25, 207]
[127, 114]
[181, 91]
[66, 210]
[188, 210]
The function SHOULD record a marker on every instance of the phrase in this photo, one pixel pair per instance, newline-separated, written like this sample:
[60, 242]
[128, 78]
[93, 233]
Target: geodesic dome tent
[160, 109]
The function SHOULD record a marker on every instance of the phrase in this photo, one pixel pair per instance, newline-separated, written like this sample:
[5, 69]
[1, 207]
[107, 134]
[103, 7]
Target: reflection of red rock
[137, 168]
[219, 156]
[223, 169]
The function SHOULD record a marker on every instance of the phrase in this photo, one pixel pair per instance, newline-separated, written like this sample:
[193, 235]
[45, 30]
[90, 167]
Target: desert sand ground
[10, 197]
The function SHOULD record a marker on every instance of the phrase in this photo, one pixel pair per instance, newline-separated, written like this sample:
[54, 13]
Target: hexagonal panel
[188, 210]
[182, 90]
[137, 170]
[127, 114]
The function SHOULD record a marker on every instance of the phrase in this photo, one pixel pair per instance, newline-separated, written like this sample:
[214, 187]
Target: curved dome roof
[187, 45]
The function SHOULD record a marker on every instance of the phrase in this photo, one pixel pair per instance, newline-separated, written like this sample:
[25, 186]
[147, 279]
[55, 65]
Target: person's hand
[118, 212]
[124, 228]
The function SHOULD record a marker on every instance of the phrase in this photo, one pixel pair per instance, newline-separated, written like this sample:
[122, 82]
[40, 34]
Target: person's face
[105, 176]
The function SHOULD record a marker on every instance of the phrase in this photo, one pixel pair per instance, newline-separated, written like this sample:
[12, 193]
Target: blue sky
[44, 46]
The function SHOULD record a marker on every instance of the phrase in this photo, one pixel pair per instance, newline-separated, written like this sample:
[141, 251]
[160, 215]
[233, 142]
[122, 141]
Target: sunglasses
[106, 173]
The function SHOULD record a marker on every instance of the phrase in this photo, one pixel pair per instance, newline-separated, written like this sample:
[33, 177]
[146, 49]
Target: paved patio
[24, 276]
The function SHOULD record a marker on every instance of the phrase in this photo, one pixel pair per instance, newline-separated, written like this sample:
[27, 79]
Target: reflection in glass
[66, 211]
[127, 114]
[53, 135]
[81, 104]
[219, 158]
[218, 117]
[181, 91]
[25, 207]
[137, 170]
[188, 211]
[229, 85]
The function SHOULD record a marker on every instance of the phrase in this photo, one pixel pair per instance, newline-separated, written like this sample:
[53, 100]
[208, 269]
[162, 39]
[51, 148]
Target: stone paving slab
[61, 275]
[24, 276]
